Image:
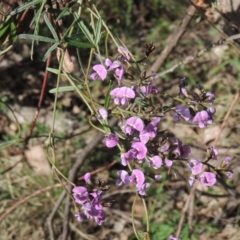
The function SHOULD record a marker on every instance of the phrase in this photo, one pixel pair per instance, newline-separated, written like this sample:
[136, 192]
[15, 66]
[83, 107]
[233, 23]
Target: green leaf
[25, 6]
[65, 89]
[4, 27]
[84, 28]
[107, 98]
[98, 31]
[51, 28]
[53, 47]
[54, 70]
[37, 38]
[78, 44]
[7, 144]
[63, 13]
[13, 31]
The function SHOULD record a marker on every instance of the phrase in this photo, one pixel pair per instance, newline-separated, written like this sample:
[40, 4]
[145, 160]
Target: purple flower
[128, 156]
[212, 153]
[210, 98]
[195, 166]
[124, 178]
[184, 92]
[227, 160]
[155, 162]
[133, 123]
[79, 216]
[229, 174]
[168, 163]
[137, 177]
[87, 177]
[125, 53]
[172, 237]
[180, 150]
[141, 150]
[158, 177]
[119, 72]
[142, 190]
[204, 118]
[148, 89]
[100, 218]
[150, 130]
[103, 114]
[111, 140]
[80, 194]
[100, 72]
[113, 65]
[122, 95]
[182, 112]
[208, 179]
[191, 180]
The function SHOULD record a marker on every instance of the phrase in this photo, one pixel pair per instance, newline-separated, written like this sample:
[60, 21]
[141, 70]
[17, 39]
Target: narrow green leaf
[13, 31]
[54, 70]
[7, 144]
[64, 89]
[53, 47]
[84, 28]
[107, 98]
[63, 13]
[98, 31]
[78, 44]
[37, 38]
[3, 28]
[51, 28]
[25, 6]
[35, 19]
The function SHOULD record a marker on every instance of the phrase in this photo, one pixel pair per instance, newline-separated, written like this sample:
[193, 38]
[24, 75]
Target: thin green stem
[134, 228]
[52, 161]
[56, 94]
[80, 93]
[146, 213]
[97, 15]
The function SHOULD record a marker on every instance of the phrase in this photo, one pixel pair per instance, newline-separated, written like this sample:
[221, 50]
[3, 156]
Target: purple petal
[136, 123]
[80, 194]
[100, 70]
[208, 179]
[111, 140]
[195, 166]
[138, 177]
[141, 150]
[103, 113]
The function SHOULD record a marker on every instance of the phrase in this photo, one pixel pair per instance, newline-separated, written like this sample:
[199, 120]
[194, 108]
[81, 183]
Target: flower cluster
[89, 202]
[193, 106]
[208, 178]
[117, 66]
[139, 137]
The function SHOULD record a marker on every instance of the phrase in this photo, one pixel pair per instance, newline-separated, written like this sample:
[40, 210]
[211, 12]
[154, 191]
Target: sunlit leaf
[37, 38]
[25, 6]
[98, 31]
[51, 28]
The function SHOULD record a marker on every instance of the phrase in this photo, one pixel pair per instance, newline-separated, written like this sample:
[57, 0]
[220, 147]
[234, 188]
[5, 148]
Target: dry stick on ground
[174, 38]
[189, 59]
[186, 206]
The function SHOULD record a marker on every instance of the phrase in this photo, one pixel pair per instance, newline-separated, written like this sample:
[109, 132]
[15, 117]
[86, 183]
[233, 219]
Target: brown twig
[226, 117]
[173, 40]
[40, 101]
[191, 58]
[19, 203]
